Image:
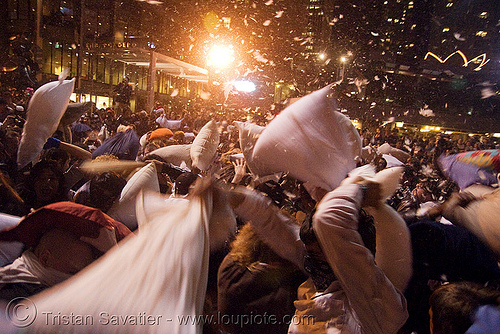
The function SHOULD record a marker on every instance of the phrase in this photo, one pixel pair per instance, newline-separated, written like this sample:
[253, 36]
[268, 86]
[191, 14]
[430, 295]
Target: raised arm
[477, 215]
[380, 307]
[278, 230]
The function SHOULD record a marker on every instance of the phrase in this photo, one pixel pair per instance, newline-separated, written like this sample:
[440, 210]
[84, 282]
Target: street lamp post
[343, 60]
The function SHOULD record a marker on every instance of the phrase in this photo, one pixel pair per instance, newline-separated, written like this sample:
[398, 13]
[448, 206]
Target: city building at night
[402, 57]
[100, 43]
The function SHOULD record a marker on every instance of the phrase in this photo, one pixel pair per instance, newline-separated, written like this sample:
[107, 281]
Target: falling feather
[426, 112]
[487, 92]
[259, 57]
[205, 95]
[390, 120]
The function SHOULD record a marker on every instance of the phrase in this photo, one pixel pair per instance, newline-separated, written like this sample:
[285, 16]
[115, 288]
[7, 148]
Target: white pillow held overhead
[45, 110]
[248, 135]
[205, 145]
[311, 141]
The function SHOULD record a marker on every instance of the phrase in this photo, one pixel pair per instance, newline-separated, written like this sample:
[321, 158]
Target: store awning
[142, 57]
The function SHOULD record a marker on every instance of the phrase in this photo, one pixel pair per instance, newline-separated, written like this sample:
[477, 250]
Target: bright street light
[343, 59]
[220, 56]
[244, 86]
[322, 56]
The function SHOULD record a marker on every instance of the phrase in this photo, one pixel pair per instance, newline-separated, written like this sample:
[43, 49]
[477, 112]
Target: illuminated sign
[481, 57]
[122, 45]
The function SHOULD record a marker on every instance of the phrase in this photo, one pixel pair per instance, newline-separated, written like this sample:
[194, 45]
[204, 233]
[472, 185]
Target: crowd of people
[346, 260]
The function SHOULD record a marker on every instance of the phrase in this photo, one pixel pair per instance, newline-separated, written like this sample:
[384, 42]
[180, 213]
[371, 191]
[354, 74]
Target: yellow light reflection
[481, 57]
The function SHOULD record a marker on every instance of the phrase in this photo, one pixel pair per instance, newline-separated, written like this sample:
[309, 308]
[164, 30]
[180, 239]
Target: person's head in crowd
[47, 184]
[61, 239]
[184, 182]
[179, 137]
[379, 162]
[421, 193]
[110, 114]
[85, 119]
[59, 156]
[366, 141]
[56, 256]
[63, 251]
[150, 148]
[9, 142]
[105, 189]
[452, 306]
[95, 120]
[124, 128]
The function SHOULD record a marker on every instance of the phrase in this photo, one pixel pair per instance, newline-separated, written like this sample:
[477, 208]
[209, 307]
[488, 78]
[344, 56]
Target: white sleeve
[278, 230]
[380, 307]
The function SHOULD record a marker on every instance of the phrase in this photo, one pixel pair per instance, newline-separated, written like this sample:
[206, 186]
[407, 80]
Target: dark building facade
[99, 42]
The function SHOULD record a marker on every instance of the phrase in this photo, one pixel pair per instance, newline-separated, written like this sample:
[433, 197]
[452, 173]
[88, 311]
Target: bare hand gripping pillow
[311, 140]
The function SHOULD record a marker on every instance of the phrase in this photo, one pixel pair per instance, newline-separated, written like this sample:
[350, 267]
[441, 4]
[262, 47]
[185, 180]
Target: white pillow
[8, 222]
[222, 225]
[388, 178]
[248, 135]
[395, 152]
[124, 209]
[205, 145]
[175, 154]
[143, 140]
[45, 110]
[311, 140]
[9, 250]
[150, 205]
[161, 272]
[167, 123]
[391, 161]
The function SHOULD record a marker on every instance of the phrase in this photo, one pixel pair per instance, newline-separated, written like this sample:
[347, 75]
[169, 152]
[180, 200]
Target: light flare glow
[220, 56]
[481, 57]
